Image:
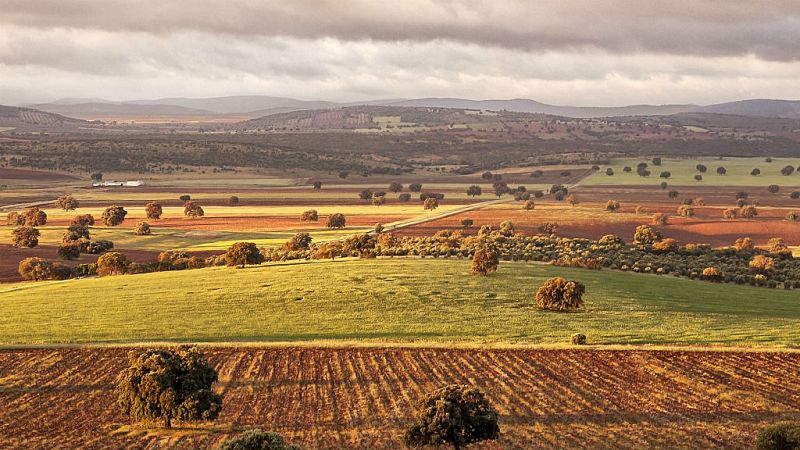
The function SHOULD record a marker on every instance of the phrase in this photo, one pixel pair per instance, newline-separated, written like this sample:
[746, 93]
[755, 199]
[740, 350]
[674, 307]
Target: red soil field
[28, 174]
[363, 398]
[590, 221]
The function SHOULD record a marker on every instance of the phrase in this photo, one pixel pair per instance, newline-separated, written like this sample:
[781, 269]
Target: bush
[559, 294]
[193, 210]
[466, 223]
[529, 205]
[456, 415]
[430, 204]
[167, 385]
[612, 205]
[36, 269]
[233, 200]
[685, 211]
[258, 440]
[748, 211]
[578, 339]
[404, 197]
[646, 235]
[660, 219]
[779, 436]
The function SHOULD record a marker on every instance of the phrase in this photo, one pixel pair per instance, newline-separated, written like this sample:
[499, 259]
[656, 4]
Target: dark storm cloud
[767, 29]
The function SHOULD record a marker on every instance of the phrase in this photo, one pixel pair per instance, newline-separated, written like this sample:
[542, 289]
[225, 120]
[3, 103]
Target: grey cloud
[769, 29]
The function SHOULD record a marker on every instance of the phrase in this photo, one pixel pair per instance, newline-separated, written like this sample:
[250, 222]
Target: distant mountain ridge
[254, 106]
[782, 109]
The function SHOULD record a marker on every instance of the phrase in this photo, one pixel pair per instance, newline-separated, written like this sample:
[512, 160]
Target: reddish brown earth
[28, 174]
[363, 398]
[590, 221]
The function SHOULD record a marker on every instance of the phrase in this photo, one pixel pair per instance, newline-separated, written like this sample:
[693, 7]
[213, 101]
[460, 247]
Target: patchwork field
[361, 398]
[683, 171]
[392, 300]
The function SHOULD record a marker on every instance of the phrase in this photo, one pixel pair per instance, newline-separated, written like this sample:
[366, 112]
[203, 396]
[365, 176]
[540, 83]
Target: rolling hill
[14, 117]
[784, 109]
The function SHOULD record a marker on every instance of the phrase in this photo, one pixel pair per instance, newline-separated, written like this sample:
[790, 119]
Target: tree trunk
[167, 422]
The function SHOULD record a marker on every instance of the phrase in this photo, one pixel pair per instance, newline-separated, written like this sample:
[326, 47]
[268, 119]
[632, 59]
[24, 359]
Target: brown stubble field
[333, 398]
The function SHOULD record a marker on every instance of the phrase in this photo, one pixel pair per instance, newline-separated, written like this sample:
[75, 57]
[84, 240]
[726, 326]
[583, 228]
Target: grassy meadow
[683, 172]
[385, 300]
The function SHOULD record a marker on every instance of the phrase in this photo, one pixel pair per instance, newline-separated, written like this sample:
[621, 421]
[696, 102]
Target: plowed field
[362, 398]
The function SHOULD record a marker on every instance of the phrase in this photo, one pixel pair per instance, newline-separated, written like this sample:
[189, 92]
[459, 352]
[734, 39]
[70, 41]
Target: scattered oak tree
[529, 205]
[233, 200]
[484, 261]
[243, 253]
[166, 385]
[317, 185]
[430, 203]
[83, 220]
[153, 210]
[645, 235]
[142, 229]
[395, 187]
[558, 294]
[612, 205]
[36, 269]
[25, 237]
[310, 216]
[112, 263]
[336, 221]
[114, 215]
[35, 217]
[474, 190]
[456, 415]
[779, 436]
[67, 203]
[192, 210]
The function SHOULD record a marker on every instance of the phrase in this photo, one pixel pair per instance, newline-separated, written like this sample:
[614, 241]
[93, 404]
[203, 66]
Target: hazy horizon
[573, 52]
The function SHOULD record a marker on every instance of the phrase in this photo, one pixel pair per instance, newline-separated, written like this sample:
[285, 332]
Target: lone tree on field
[673, 194]
[310, 216]
[35, 217]
[258, 440]
[665, 174]
[114, 215]
[142, 229]
[755, 172]
[474, 190]
[721, 171]
[558, 294]
[166, 385]
[430, 204]
[317, 185]
[748, 211]
[457, 415]
[185, 197]
[660, 219]
[233, 200]
[788, 170]
[67, 203]
[153, 210]
[404, 197]
[112, 263]
[336, 221]
[701, 168]
[243, 253]
[656, 161]
[25, 237]
[612, 205]
[193, 210]
[773, 188]
[529, 205]
[484, 261]
[610, 172]
[698, 178]
[466, 223]
[729, 214]
[415, 187]
[685, 211]
[395, 187]
[366, 194]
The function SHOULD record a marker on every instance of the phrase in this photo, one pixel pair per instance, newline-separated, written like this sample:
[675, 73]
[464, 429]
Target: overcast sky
[577, 52]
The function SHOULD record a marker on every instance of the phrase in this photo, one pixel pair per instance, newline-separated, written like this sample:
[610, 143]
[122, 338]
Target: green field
[683, 172]
[398, 300]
